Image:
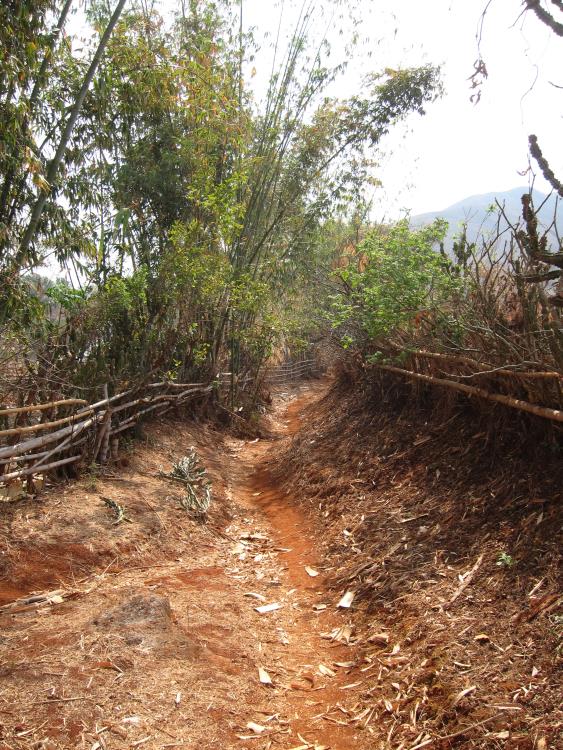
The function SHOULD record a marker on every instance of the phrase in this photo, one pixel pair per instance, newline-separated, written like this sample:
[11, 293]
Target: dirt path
[315, 670]
[166, 650]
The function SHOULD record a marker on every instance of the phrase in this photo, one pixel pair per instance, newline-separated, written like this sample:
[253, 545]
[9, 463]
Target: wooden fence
[41, 437]
[65, 432]
[289, 372]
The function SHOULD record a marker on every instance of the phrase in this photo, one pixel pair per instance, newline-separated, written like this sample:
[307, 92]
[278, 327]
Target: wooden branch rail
[40, 469]
[556, 415]
[19, 449]
[31, 456]
[131, 421]
[93, 425]
[35, 453]
[105, 402]
[490, 369]
[290, 371]
[40, 426]
[41, 407]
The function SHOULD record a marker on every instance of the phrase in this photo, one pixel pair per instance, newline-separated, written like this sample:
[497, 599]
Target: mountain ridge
[474, 212]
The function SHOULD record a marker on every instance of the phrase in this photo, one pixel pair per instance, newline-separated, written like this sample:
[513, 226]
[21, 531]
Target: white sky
[458, 149]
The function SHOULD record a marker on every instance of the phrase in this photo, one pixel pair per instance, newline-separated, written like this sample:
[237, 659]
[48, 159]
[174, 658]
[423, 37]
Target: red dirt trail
[292, 530]
[158, 643]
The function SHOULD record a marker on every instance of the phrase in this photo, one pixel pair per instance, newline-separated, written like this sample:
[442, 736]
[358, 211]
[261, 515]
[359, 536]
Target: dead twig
[469, 576]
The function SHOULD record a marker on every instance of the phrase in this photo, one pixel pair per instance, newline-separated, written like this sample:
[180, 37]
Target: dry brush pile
[484, 320]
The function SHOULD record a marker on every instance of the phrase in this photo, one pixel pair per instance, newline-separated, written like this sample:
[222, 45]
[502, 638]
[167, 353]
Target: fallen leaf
[254, 536]
[141, 742]
[350, 686]
[256, 728]
[326, 671]
[345, 664]
[107, 665]
[347, 600]
[381, 638]
[300, 685]
[341, 635]
[265, 678]
[268, 608]
[311, 571]
[254, 595]
[392, 661]
[178, 698]
[463, 693]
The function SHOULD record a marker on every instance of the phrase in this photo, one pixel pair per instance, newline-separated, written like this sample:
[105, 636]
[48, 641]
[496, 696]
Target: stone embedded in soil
[146, 622]
[141, 610]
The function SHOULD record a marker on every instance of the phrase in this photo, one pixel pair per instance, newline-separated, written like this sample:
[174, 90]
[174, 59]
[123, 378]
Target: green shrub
[397, 277]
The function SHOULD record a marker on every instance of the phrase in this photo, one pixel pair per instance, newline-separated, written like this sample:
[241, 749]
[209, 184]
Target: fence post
[105, 430]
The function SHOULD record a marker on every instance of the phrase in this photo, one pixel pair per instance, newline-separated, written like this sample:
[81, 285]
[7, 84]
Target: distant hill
[473, 212]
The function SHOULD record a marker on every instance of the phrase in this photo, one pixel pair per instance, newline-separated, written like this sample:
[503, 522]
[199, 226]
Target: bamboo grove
[196, 231]
[185, 219]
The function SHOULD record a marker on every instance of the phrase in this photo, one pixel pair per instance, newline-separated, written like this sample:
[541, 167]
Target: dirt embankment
[449, 536]
[148, 633]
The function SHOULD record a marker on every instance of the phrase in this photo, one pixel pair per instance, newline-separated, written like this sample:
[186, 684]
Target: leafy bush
[396, 278]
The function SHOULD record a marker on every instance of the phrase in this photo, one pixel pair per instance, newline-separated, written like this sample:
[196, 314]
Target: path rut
[310, 701]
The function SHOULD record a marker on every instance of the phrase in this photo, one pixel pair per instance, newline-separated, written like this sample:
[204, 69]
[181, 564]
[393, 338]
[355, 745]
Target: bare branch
[543, 164]
[544, 16]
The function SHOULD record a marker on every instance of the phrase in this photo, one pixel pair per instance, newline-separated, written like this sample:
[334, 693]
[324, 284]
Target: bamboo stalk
[43, 425]
[19, 449]
[547, 375]
[39, 469]
[555, 415]
[41, 407]
[105, 431]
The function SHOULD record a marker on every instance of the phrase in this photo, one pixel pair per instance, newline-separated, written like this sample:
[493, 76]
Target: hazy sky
[458, 148]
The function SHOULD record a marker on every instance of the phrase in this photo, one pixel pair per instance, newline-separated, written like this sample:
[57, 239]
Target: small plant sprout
[504, 560]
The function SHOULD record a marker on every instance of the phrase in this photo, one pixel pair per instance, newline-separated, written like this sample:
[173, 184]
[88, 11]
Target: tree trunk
[55, 162]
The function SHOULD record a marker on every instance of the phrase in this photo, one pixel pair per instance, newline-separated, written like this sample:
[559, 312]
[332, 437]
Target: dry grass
[446, 526]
